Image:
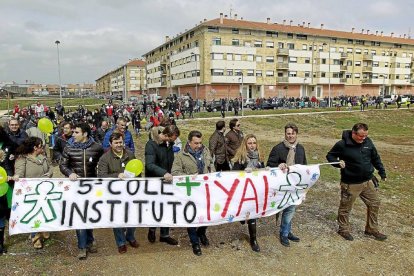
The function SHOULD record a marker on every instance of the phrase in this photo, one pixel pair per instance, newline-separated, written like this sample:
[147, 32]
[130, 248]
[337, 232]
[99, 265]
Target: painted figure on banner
[358, 159]
[218, 148]
[287, 153]
[248, 158]
[159, 158]
[195, 158]
[32, 163]
[112, 165]
[80, 159]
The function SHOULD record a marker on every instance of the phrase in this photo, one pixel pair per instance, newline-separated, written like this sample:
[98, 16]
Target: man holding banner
[159, 158]
[79, 159]
[194, 159]
[112, 164]
[287, 153]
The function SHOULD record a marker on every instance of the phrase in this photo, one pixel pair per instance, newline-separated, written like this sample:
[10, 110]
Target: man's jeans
[85, 237]
[193, 234]
[286, 222]
[122, 235]
[164, 231]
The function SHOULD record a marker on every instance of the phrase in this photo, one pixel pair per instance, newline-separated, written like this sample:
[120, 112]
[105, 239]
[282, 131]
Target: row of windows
[188, 74]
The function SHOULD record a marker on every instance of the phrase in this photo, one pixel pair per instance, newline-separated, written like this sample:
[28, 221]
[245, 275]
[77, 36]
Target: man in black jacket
[287, 153]
[358, 157]
[218, 148]
[159, 157]
[80, 159]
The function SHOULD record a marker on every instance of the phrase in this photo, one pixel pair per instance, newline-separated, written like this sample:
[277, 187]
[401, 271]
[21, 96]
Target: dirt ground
[321, 250]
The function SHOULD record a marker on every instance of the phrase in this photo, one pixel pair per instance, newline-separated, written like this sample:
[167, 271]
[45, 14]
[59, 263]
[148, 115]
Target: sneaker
[169, 240]
[346, 236]
[293, 237]
[91, 248]
[377, 235]
[284, 241]
[82, 254]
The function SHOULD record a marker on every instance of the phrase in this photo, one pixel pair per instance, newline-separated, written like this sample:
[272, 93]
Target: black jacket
[280, 152]
[360, 159]
[60, 145]
[158, 158]
[77, 160]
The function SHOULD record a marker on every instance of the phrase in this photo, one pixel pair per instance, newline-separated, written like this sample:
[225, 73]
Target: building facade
[222, 57]
[126, 80]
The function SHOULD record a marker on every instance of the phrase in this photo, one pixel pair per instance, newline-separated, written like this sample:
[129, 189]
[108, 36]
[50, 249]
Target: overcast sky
[99, 35]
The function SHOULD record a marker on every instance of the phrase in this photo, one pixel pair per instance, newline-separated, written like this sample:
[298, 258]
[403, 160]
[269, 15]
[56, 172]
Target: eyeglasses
[237, 125]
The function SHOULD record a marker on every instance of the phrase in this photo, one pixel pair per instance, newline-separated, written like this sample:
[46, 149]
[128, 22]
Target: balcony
[343, 68]
[282, 65]
[367, 69]
[367, 81]
[344, 55]
[282, 52]
[282, 79]
[367, 57]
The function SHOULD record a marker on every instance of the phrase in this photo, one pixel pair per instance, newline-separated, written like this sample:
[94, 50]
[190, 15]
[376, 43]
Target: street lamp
[329, 73]
[241, 93]
[304, 87]
[196, 87]
[57, 42]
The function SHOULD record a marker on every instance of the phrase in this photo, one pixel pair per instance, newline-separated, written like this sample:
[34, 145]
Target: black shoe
[197, 249]
[151, 236]
[293, 237]
[346, 236]
[169, 240]
[254, 245]
[2, 249]
[204, 240]
[284, 241]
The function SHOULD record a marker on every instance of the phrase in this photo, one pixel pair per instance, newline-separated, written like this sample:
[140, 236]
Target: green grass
[50, 102]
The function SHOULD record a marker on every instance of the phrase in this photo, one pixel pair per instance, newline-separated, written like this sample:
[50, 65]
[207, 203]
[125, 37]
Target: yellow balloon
[3, 175]
[45, 125]
[135, 166]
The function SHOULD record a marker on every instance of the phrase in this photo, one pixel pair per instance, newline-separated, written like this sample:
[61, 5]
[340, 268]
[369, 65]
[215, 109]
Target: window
[407, 65]
[348, 75]
[323, 75]
[216, 40]
[217, 56]
[360, 42]
[280, 45]
[407, 77]
[235, 42]
[270, 59]
[397, 77]
[250, 57]
[237, 57]
[229, 72]
[291, 46]
[357, 75]
[375, 76]
[307, 60]
[307, 74]
[271, 34]
[247, 44]
[212, 29]
[238, 72]
[357, 63]
[385, 64]
[229, 57]
[217, 72]
[323, 60]
[332, 49]
[373, 52]
[258, 44]
[270, 44]
[270, 73]
[341, 49]
[358, 51]
[258, 73]
[259, 58]
[293, 59]
[365, 51]
[290, 35]
[350, 41]
[335, 75]
[250, 73]
[292, 74]
[349, 63]
[280, 74]
[304, 46]
[375, 64]
[302, 36]
[336, 62]
[349, 50]
[235, 31]
[397, 65]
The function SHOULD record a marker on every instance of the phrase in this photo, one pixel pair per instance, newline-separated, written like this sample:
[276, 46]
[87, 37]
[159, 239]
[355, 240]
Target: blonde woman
[247, 158]
[32, 163]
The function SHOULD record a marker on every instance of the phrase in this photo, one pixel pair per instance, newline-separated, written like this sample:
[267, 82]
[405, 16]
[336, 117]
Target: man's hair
[220, 125]
[171, 130]
[14, 119]
[292, 126]
[359, 126]
[85, 128]
[233, 123]
[67, 123]
[115, 136]
[121, 119]
[104, 122]
[194, 133]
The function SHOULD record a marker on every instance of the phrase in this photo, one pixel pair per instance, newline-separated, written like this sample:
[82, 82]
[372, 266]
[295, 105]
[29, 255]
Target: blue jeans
[193, 234]
[85, 237]
[164, 231]
[2, 222]
[122, 235]
[286, 222]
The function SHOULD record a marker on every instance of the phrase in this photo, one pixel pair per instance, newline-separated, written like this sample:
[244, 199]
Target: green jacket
[185, 164]
[110, 165]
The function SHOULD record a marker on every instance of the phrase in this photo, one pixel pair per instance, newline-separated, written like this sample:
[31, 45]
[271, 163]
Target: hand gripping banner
[42, 205]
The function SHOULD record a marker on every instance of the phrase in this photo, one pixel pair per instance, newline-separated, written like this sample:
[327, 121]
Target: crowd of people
[99, 144]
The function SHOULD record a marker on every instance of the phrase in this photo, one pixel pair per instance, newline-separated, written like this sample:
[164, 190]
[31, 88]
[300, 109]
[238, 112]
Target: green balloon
[3, 188]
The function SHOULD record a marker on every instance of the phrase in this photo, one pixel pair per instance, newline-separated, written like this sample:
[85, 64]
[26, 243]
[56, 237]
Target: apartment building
[126, 80]
[224, 56]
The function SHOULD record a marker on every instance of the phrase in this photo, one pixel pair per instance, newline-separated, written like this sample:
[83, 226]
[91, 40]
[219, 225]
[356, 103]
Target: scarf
[290, 160]
[83, 146]
[252, 160]
[198, 156]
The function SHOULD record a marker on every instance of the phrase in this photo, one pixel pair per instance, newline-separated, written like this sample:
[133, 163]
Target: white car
[248, 103]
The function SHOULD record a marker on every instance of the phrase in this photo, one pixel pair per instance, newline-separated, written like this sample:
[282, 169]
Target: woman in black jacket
[248, 158]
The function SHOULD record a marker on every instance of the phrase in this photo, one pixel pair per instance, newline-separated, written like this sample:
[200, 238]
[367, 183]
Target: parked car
[213, 106]
[389, 99]
[266, 105]
[405, 98]
[248, 103]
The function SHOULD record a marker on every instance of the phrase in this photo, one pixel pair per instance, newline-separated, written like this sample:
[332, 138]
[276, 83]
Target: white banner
[189, 201]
